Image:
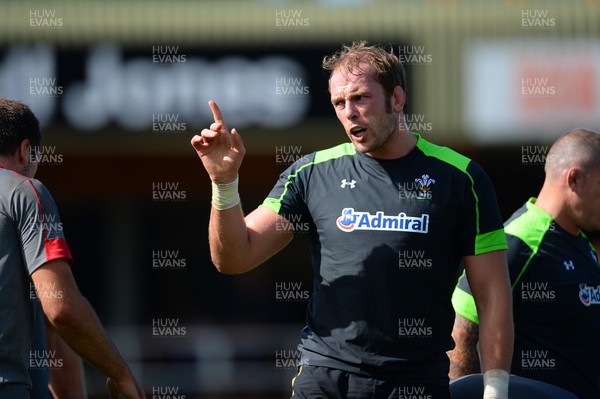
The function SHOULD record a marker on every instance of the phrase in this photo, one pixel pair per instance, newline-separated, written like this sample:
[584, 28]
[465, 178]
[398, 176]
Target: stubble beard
[392, 128]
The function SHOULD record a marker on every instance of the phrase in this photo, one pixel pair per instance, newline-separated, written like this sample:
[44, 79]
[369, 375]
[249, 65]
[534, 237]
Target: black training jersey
[556, 299]
[386, 238]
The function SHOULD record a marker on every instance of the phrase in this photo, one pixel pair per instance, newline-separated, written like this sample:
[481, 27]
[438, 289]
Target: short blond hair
[387, 67]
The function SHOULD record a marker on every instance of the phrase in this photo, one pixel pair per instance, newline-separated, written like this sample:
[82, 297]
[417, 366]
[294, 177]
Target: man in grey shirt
[34, 250]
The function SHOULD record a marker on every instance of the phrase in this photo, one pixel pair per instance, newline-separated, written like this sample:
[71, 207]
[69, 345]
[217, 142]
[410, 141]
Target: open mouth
[357, 131]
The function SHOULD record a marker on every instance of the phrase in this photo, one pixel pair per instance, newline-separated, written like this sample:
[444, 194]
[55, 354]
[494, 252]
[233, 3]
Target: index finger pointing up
[217, 116]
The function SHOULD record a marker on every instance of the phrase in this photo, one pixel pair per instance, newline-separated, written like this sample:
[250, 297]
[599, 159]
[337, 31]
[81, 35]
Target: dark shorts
[14, 391]
[316, 382]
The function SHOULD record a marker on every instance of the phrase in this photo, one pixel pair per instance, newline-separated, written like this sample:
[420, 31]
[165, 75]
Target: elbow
[228, 267]
[223, 269]
[60, 314]
[233, 266]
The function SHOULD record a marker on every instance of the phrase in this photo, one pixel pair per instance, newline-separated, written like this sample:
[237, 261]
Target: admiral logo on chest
[351, 220]
[589, 295]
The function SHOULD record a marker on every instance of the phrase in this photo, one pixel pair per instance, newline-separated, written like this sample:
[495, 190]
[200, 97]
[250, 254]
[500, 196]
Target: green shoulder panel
[530, 227]
[334, 152]
[443, 153]
[486, 242]
[321, 156]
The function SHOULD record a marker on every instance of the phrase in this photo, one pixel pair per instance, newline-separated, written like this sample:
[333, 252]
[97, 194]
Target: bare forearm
[82, 331]
[496, 338]
[464, 359]
[239, 244]
[490, 284]
[73, 318]
[66, 382]
[228, 239]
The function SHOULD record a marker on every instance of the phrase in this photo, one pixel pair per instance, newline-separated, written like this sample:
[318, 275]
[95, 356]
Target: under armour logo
[345, 183]
[569, 265]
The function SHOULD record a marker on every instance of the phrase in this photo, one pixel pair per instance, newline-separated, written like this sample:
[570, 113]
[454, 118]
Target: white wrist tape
[225, 196]
[495, 384]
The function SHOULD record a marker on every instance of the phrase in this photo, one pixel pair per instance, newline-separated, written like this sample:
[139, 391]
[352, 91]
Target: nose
[350, 111]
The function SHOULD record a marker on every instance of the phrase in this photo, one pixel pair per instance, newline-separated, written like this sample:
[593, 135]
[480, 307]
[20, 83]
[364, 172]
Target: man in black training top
[391, 216]
[555, 276]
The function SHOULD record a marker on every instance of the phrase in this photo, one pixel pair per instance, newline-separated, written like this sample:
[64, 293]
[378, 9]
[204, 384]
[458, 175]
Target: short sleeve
[288, 196]
[38, 223]
[482, 229]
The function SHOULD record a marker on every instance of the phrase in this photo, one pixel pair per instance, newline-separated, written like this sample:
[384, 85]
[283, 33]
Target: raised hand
[220, 150]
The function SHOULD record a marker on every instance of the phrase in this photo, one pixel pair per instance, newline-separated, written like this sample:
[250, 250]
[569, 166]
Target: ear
[398, 99]
[23, 153]
[574, 178]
